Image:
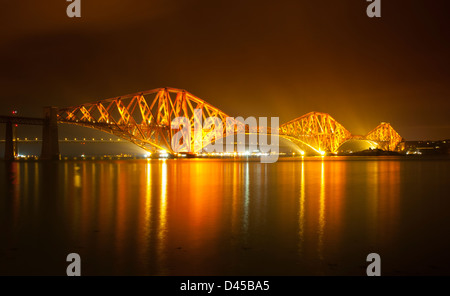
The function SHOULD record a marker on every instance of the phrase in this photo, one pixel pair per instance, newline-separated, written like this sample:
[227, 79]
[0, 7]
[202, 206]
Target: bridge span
[145, 119]
[50, 147]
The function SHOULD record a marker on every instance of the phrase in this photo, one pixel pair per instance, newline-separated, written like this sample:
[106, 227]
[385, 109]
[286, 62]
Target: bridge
[66, 140]
[145, 119]
[325, 134]
[50, 147]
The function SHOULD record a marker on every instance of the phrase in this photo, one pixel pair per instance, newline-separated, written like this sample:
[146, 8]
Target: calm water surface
[317, 216]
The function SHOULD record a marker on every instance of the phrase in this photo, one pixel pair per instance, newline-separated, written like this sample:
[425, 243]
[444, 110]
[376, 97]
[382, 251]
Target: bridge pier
[50, 145]
[10, 142]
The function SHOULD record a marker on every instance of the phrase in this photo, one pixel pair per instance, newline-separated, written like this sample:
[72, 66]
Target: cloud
[28, 18]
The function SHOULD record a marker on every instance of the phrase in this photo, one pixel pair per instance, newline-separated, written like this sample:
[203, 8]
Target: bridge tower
[10, 142]
[50, 145]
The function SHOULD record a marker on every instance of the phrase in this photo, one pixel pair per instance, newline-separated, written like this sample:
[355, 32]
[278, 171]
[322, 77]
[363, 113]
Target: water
[317, 216]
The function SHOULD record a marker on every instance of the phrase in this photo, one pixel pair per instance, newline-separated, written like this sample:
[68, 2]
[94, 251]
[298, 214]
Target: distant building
[427, 147]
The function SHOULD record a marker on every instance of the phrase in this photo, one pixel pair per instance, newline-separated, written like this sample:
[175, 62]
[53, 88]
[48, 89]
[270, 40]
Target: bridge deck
[22, 120]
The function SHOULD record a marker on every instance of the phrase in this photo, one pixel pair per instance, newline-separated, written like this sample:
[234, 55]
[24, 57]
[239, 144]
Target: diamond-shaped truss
[386, 137]
[145, 118]
[318, 130]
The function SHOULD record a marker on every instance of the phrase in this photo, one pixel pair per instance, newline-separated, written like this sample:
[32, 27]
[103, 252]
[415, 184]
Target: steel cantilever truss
[318, 130]
[385, 135]
[145, 118]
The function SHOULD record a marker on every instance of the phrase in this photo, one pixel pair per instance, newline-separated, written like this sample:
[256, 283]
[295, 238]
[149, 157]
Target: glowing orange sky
[248, 58]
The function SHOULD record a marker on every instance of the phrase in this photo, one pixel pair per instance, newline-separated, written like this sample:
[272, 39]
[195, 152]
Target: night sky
[248, 58]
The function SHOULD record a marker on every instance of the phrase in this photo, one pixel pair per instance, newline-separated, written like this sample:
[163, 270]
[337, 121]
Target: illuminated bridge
[323, 133]
[145, 119]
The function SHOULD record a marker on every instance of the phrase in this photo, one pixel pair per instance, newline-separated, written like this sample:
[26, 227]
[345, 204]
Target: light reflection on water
[321, 210]
[308, 216]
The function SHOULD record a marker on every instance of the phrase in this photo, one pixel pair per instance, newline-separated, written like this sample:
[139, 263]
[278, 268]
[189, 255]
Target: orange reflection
[321, 210]
[336, 180]
[245, 217]
[388, 198]
[181, 216]
[162, 221]
[122, 204]
[147, 208]
[235, 177]
[302, 208]
[14, 184]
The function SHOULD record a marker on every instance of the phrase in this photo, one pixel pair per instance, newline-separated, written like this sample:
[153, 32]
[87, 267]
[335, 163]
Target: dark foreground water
[219, 217]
